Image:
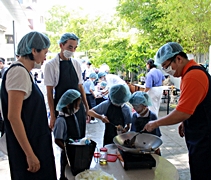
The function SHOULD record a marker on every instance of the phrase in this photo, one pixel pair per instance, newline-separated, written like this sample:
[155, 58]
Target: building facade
[18, 17]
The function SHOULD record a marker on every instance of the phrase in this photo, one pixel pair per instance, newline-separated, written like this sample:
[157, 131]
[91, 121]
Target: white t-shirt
[18, 79]
[51, 72]
[89, 71]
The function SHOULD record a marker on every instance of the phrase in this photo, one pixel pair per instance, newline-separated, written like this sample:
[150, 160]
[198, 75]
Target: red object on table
[97, 155]
[111, 157]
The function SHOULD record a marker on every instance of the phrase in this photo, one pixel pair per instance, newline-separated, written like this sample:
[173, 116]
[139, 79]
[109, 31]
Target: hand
[88, 119]
[181, 130]
[124, 130]
[86, 111]
[104, 119]
[150, 126]
[33, 163]
[52, 122]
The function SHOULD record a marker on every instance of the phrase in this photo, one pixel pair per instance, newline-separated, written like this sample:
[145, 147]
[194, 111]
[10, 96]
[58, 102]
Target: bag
[79, 156]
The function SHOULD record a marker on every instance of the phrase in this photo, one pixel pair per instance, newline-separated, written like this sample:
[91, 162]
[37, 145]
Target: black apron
[198, 136]
[140, 122]
[73, 132]
[68, 79]
[115, 116]
[34, 117]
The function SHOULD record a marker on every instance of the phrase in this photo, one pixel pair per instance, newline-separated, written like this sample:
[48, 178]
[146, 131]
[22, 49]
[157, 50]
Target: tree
[186, 22]
[56, 23]
[149, 18]
[192, 19]
[104, 41]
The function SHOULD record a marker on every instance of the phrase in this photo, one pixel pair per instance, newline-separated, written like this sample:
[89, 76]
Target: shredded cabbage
[94, 175]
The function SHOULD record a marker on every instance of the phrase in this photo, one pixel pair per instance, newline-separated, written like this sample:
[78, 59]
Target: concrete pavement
[173, 147]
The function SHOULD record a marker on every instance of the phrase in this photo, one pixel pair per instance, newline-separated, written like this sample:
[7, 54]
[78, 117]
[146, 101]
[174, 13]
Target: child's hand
[124, 130]
[104, 119]
[119, 128]
[150, 126]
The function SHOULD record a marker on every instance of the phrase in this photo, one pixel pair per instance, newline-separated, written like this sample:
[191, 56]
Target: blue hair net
[119, 94]
[103, 83]
[68, 36]
[31, 40]
[67, 98]
[167, 51]
[93, 75]
[140, 97]
[101, 74]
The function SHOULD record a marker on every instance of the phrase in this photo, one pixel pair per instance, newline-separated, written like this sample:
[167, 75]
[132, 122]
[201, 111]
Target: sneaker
[93, 121]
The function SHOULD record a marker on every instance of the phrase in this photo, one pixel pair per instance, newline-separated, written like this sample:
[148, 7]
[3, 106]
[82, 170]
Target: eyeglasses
[164, 68]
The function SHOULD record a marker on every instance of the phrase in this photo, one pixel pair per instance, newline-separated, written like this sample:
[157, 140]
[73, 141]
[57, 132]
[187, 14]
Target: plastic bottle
[103, 156]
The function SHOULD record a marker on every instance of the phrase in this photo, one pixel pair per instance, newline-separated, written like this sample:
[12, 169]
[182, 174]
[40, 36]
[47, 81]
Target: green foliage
[193, 23]
[104, 41]
[56, 24]
[161, 21]
[115, 42]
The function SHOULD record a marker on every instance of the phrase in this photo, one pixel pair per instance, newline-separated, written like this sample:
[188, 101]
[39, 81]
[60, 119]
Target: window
[9, 39]
[9, 61]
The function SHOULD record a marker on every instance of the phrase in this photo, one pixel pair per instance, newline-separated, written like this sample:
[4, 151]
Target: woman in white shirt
[24, 111]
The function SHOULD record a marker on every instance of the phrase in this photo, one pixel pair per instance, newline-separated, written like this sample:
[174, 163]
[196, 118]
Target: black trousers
[63, 162]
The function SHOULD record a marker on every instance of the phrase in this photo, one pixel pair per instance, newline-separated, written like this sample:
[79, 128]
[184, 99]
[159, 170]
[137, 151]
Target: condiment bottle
[103, 156]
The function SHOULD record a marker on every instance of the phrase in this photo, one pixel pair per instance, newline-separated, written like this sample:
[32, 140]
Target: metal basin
[145, 143]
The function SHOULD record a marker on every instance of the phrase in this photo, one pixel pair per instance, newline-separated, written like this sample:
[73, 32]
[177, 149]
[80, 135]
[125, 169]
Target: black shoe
[63, 178]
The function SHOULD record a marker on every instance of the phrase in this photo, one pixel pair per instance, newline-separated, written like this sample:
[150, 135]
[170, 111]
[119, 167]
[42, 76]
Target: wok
[145, 143]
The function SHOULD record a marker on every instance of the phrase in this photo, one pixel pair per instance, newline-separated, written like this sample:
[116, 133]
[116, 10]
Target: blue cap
[167, 51]
[93, 75]
[67, 98]
[140, 97]
[101, 74]
[119, 94]
[103, 84]
[68, 36]
[31, 40]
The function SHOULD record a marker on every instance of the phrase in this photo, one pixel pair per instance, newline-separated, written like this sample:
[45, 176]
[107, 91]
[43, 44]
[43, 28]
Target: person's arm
[173, 118]
[92, 92]
[146, 89]
[15, 102]
[83, 95]
[127, 114]
[126, 128]
[60, 143]
[103, 118]
[148, 82]
[51, 106]
[104, 93]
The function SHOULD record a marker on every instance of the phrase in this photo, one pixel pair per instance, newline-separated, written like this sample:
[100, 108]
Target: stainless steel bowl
[145, 143]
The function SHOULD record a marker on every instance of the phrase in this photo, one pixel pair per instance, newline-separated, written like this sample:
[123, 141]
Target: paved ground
[173, 147]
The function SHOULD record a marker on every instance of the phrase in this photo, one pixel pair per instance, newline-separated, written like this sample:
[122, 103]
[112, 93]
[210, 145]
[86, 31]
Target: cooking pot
[145, 143]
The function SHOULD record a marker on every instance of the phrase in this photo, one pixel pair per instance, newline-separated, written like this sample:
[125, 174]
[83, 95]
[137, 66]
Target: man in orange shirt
[193, 110]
